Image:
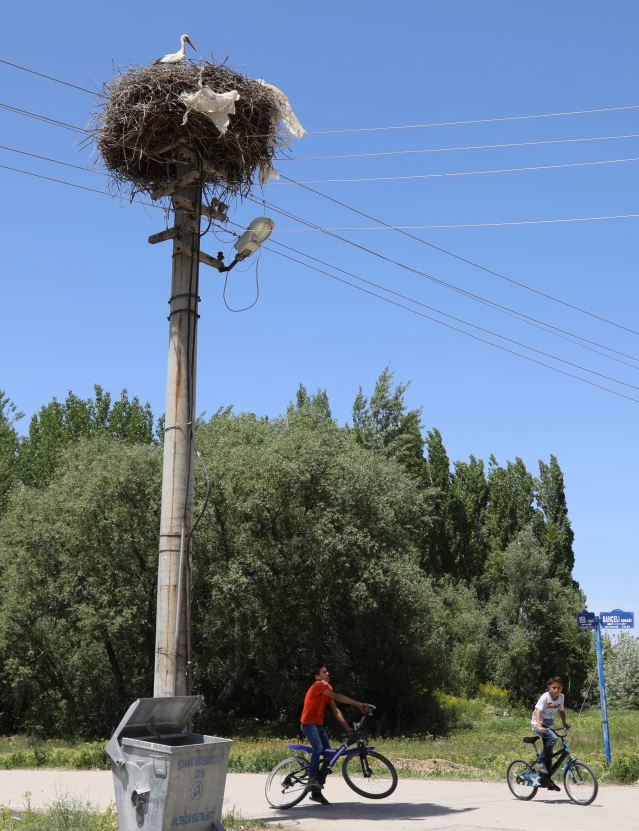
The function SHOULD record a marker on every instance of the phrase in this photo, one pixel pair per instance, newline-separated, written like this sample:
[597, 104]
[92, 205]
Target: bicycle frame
[535, 778]
[331, 757]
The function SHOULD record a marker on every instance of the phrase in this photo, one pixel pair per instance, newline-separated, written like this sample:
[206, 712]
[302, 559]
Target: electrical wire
[80, 187]
[451, 149]
[55, 161]
[454, 174]
[468, 262]
[49, 77]
[451, 286]
[536, 326]
[44, 118]
[471, 121]
[461, 320]
[257, 286]
[455, 328]
[460, 225]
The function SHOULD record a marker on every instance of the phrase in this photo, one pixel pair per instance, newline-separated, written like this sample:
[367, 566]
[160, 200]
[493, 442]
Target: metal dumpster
[165, 778]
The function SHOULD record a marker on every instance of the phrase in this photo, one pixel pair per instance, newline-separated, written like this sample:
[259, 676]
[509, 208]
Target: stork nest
[140, 114]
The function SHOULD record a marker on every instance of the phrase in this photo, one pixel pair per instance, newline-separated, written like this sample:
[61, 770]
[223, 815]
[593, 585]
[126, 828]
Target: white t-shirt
[549, 708]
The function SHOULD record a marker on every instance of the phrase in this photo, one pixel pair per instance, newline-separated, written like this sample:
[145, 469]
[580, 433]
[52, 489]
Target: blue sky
[84, 295]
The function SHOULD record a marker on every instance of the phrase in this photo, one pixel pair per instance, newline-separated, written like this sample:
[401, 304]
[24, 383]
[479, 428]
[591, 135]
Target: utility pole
[173, 624]
[172, 639]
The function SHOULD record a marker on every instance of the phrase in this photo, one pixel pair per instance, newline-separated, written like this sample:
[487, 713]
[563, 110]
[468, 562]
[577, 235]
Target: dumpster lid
[153, 718]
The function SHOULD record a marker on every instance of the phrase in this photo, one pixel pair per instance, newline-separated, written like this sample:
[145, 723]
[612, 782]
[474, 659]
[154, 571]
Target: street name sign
[586, 621]
[617, 619]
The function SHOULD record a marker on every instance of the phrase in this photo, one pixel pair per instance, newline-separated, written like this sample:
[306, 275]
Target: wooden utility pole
[172, 639]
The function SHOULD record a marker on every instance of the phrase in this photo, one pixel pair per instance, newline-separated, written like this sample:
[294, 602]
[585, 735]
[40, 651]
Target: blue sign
[586, 621]
[617, 619]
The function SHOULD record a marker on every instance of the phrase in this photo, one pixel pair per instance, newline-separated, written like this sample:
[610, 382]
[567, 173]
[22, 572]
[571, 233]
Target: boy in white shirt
[543, 718]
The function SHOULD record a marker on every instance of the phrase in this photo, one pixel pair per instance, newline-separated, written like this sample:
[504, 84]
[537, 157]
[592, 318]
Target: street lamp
[257, 232]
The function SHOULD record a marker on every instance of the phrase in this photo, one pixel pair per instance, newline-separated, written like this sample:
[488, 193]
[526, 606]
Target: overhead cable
[55, 161]
[458, 225]
[49, 77]
[452, 149]
[467, 261]
[455, 328]
[458, 319]
[478, 298]
[44, 118]
[454, 174]
[472, 121]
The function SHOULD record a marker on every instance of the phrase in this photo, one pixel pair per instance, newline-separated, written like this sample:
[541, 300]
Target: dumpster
[164, 777]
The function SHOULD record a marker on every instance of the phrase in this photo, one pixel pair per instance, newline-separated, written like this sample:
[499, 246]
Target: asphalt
[416, 805]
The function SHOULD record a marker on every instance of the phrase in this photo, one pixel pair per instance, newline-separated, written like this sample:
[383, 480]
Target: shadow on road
[357, 810]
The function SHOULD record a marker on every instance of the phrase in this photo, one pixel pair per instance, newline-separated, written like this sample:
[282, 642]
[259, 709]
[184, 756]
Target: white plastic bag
[286, 114]
[218, 106]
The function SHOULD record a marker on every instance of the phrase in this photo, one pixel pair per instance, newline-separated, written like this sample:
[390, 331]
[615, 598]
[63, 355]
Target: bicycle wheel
[519, 784]
[286, 783]
[581, 783]
[369, 774]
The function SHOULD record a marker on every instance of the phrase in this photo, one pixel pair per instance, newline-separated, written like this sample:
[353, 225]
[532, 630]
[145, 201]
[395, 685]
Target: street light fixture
[257, 232]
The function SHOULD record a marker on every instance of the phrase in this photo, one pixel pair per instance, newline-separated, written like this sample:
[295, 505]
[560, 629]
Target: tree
[622, 672]
[555, 533]
[58, 425]
[385, 426]
[534, 626]
[78, 565]
[9, 443]
[309, 552]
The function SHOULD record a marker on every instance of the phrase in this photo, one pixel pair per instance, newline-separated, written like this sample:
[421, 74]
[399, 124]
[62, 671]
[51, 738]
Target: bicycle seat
[527, 739]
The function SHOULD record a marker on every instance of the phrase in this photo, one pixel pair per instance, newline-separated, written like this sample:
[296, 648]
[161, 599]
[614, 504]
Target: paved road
[416, 805]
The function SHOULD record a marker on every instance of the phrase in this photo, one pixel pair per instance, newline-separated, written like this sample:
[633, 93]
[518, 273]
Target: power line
[80, 187]
[455, 174]
[55, 161]
[44, 118]
[459, 225]
[455, 328]
[490, 303]
[458, 319]
[451, 149]
[49, 77]
[469, 262]
[472, 121]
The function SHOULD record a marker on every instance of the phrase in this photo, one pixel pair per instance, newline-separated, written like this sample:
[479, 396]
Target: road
[416, 805]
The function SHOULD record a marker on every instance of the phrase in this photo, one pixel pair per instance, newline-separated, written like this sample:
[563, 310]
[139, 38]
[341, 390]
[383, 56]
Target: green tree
[555, 532]
[309, 552]
[384, 425]
[59, 424]
[622, 672]
[78, 565]
[9, 443]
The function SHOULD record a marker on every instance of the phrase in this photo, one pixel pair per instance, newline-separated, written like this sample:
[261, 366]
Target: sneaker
[314, 785]
[318, 796]
[553, 787]
[540, 767]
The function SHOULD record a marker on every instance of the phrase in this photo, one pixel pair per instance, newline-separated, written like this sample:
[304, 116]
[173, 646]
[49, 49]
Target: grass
[487, 737]
[68, 814]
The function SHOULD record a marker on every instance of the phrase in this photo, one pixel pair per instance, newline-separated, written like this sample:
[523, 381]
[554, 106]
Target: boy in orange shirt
[318, 696]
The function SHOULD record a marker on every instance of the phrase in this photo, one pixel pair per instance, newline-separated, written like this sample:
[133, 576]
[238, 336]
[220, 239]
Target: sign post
[588, 621]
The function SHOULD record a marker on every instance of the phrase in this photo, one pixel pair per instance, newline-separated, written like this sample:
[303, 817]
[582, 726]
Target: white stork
[178, 57]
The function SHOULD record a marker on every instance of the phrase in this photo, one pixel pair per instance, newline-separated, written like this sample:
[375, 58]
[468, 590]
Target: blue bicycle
[580, 781]
[365, 771]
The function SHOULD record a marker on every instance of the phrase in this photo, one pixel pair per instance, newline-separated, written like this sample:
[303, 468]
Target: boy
[318, 696]
[543, 718]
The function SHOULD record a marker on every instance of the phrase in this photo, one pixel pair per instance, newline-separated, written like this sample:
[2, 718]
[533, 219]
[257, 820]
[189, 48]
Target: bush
[625, 768]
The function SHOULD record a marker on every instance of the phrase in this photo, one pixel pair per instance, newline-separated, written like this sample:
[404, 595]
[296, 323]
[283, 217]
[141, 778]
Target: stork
[178, 57]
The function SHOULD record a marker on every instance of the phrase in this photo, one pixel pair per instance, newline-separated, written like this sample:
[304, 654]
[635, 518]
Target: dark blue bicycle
[580, 781]
[365, 771]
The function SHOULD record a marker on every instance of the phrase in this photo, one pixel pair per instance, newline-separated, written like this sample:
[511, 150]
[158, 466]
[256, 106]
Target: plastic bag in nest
[217, 106]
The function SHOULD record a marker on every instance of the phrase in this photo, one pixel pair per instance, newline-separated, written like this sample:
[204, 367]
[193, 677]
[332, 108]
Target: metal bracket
[204, 258]
[169, 233]
[176, 184]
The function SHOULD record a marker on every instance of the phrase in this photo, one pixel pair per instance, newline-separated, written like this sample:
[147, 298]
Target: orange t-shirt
[315, 703]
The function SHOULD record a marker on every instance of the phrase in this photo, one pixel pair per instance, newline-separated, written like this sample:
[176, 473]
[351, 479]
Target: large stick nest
[140, 113]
